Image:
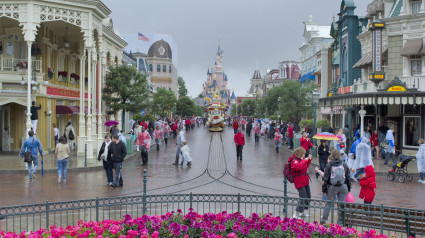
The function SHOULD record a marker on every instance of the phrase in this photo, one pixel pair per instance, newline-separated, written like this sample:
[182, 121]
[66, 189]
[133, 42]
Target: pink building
[216, 79]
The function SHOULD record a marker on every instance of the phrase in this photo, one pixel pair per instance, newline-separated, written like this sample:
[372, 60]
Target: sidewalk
[11, 162]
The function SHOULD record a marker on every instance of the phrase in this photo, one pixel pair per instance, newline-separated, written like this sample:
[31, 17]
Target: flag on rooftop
[142, 37]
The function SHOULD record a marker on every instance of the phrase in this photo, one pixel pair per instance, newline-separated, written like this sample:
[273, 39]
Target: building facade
[289, 69]
[56, 54]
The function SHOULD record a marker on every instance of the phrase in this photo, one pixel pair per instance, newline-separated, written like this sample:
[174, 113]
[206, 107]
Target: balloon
[349, 198]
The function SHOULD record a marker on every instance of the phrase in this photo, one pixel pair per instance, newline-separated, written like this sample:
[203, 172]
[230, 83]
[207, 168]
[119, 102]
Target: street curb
[376, 173]
[55, 170]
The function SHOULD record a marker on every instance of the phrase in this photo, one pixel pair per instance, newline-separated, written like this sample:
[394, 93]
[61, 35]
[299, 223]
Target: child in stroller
[400, 170]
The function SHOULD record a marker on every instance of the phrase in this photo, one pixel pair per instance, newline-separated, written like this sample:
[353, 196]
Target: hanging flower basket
[74, 77]
[62, 75]
[50, 73]
[21, 65]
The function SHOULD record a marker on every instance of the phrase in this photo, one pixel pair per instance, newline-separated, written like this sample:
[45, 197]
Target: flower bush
[75, 76]
[208, 225]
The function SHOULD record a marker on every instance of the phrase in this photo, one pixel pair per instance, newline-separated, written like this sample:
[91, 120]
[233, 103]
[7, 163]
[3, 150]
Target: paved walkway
[215, 170]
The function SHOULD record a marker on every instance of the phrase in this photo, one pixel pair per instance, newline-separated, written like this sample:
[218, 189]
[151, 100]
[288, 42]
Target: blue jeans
[62, 168]
[35, 162]
[422, 175]
[235, 130]
[118, 179]
[359, 171]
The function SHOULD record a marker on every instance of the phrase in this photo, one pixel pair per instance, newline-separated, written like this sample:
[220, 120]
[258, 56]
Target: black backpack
[71, 135]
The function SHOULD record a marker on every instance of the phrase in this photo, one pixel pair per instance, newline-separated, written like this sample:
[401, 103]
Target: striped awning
[365, 61]
[413, 47]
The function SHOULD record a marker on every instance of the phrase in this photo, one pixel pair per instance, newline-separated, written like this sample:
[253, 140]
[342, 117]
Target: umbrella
[111, 123]
[325, 136]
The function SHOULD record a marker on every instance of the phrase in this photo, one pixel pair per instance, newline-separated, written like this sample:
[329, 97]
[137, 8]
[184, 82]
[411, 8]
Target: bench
[408, 221]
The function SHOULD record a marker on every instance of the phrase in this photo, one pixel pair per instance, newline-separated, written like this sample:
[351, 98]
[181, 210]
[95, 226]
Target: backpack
[287, 172]
[71, 135]
[338, 175]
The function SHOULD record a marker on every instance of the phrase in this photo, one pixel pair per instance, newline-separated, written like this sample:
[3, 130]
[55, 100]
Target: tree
[125, 89]
[163, 102]
[296, 100]
[199, 110]
[181, 87]
[248, 107]
[185, 106]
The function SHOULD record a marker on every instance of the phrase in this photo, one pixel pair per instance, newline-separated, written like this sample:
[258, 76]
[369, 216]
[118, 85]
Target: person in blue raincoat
[390, 151]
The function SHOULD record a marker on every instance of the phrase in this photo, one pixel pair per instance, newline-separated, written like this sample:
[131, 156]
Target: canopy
[307, 76]
[365, 61]
[412, 47]
[62, 110]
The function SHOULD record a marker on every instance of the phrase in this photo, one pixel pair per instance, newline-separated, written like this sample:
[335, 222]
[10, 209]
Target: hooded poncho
[363, 155]
[420, 159]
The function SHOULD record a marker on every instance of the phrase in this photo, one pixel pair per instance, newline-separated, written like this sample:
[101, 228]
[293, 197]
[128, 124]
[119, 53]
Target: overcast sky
[251, 32]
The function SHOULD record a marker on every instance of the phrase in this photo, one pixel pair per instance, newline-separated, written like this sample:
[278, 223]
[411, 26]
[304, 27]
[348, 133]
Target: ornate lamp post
[362, 113]
[316, 96]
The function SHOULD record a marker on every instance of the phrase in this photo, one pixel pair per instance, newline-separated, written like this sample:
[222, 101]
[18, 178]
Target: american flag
[142, 37]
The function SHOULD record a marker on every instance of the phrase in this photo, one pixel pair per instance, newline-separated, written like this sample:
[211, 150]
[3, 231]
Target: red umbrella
[111, 123]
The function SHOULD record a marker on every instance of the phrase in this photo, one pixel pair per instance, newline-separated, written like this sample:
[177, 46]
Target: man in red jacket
[235, 125]
[290, 135]
[240, 142]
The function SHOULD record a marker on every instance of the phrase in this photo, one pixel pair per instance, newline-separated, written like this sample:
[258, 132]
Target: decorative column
[89, 140]
[93, 91]
[119, 119]
[362, 113]
[331, 113]
[344, 113]
[99, 103]
[28, 124]
[82, 121]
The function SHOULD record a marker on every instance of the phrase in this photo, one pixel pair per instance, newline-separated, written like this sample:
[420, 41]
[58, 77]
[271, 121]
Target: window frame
[418, 7]
[164, 68]
[404, 130]
[158, 68]
[415, 59]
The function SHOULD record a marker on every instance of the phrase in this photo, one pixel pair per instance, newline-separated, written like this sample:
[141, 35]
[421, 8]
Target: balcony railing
[414, 82]
[18, 65]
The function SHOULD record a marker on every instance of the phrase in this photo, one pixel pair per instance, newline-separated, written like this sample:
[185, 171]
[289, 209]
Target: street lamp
[279, 100]
[316, 96]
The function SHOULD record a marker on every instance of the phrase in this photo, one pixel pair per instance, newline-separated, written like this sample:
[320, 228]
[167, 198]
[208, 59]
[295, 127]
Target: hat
[277, 130]
[259, 120]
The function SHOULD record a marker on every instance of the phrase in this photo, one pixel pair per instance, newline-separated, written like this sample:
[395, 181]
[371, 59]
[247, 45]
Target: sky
[252, 33]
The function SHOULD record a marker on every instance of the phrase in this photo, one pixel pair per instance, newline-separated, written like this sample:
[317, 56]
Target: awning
[412, 47]
[365, 61]
[61, 110]
[325, 110]
[307, 76]
[318, 71]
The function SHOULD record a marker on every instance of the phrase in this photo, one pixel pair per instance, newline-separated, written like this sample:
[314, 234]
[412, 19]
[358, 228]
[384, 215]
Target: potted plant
[63, 75]
[50, 73]
[74, 77]
[21, 65]
[323, 124]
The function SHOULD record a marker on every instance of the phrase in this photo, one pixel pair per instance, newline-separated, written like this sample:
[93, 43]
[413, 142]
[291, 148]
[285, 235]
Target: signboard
[14, 88]
[344, 90]
[396, 89]
[378, 50]
[61, 92]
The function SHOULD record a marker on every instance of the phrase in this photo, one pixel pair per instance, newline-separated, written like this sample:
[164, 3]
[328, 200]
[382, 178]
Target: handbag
[384, 144]
[28, 154]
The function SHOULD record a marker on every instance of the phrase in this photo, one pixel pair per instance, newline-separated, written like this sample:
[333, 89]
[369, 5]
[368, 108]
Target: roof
[365, 61]
[395, 11]
[375, 7]
[208, 73]
[257, 74]
[225, 77]
[233, 95]
[412, 47]
[160, 49]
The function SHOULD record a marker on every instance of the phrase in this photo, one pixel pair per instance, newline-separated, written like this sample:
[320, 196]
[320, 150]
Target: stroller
[400, 170]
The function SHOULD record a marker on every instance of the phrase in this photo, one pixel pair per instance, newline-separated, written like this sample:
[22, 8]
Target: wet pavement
[214, 170]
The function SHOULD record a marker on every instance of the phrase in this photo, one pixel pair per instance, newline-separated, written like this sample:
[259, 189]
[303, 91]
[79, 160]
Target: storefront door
[5, 128]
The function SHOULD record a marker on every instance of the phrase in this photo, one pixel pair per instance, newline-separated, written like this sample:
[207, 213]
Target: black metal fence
[386, 220]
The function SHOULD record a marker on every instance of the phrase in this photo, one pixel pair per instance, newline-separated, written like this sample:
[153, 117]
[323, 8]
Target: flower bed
[208, 225]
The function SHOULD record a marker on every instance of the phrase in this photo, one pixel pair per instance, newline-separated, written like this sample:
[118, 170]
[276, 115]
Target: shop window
[416, 66]
[150, 67]
[158, 68]
[164, 68]
[412, 129]
[412, 110]
[416, 6]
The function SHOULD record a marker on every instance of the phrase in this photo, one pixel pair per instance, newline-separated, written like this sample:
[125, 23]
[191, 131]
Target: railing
[18, 65]
[414, 82]
[386, 220]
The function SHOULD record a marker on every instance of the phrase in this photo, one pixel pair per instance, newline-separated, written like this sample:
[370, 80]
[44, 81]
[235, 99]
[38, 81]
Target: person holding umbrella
[62, 153]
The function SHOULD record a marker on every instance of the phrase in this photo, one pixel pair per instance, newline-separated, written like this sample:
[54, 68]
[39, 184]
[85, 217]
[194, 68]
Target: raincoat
[363, 155]
[420, 159]
[390, 138]
[368, 185]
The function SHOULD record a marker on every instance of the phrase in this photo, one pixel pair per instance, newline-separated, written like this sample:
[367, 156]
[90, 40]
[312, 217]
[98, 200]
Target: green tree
[296, 100]
[181, 87]
[199, 110]
[272, 99]
[260, 107]
[125, 89]
[185, 106]
[163, 102]
[248, 107]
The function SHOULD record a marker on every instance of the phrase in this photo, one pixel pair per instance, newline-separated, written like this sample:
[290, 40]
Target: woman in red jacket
[306, 143]
[374, 144]
[299, 167]
[368, 185]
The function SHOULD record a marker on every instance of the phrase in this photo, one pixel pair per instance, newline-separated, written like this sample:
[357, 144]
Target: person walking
[117, 152]
[249, 127]
[299, 166]
[179, 145]
[34, 116]
[323, 156]
[240, 142]
[306, 143]
[420, 160]
[121, 137]
[290, 135]
[235, 125]
[368, 185]
[390, 151]
[167, 131]
[336, 183]
[32, 145]
[108, 165]
[347, 133]
[157, 135]
[143, 142]
[62, 154]
[363, 157]
[70, 135]
[257, 132]
[277, 138]
[56, 133]
[186, 154]
[374, 141]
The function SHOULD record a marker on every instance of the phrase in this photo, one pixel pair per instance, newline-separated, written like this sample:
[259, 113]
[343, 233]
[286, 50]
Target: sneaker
[420, 181]
[33, 175]
[423, 182]
[107, 184]
[189, 164]
[304, 214]
[59, 179]
[64, 181]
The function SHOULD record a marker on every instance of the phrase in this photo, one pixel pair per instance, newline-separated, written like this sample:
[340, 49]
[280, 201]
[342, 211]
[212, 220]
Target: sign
[61, 92]
[378, 50]
[13, 88]
[344, 90]
[143, 113]
[396, 89]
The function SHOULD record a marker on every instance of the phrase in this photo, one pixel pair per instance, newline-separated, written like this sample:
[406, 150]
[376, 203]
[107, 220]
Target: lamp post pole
[316, 96]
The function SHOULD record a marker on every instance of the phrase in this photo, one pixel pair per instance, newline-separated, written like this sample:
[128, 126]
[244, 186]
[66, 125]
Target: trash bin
[129, 143]
[297, 137]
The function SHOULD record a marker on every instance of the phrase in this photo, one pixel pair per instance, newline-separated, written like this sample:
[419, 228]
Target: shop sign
[61, 92]
[13, 88]
[345, 90]
[396, 89]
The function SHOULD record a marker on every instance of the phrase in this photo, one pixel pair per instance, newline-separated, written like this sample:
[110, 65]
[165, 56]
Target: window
[164, 68]
[150, 67]
[412, 128]
[416, 6]
[158, 68]
[416, 66]
[170, 68]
